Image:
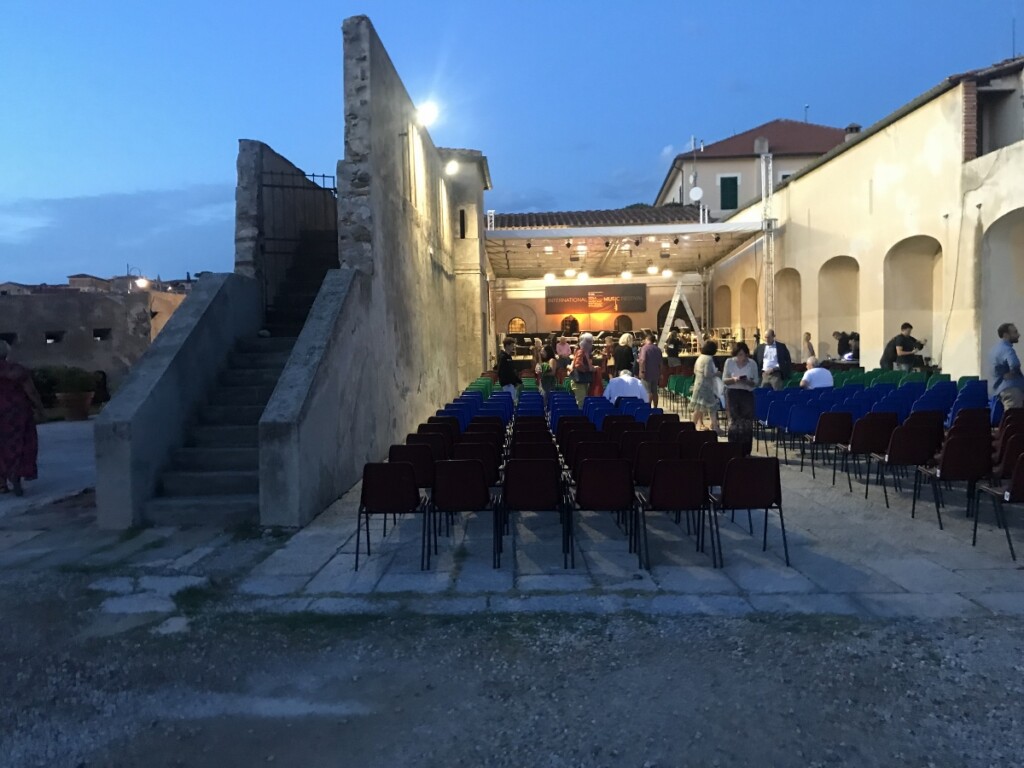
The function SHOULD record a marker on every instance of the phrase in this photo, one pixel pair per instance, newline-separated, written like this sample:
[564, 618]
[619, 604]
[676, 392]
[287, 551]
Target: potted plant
[75, 387]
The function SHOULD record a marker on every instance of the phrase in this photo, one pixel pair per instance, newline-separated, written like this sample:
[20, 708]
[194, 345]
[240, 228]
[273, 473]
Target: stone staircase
[214, 477]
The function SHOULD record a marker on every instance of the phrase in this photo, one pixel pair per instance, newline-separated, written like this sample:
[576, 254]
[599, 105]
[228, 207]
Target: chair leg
[764, 540]
[1001, 520]
[718, 538]
[935, 493]
[785, 544]
[646, 558]
[814, 450]
[750, 522]
[424, 541]
[917, 491]
[867, 475]
[359, 533]
[885, 489]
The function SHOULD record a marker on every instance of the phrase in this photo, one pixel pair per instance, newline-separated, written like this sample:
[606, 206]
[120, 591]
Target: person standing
[842, 343]
[816, 377]
[674, 349]
[740, 378]
[1008, 381]
[650, 367]
[623, 354]
[705, 395]
[806, 348]
[774, 361]
[582, 373]
[564, 353]
[19, 442]
[901, 351]
[508, 377]
[546, 376]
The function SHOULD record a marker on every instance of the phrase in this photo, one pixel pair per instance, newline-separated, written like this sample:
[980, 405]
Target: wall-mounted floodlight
[427, 113]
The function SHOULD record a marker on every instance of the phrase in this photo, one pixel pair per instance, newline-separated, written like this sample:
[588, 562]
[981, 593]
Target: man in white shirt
[816, 377]
[625, 385]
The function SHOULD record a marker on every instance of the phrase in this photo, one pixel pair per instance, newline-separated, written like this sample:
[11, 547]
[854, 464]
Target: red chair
[668, 431]
[575, 438]
[486, 454]
[422, 459]
[648, 455]
[630, 440]
[568, 423]
[450, 420]
[678, 486]
[979, 419]
[447, 431]
[614, 426]
[961, 461]
[910, 447]
[690, 444]
[656, 420]
[535, 485]
[492, 439]
[606, 485]
[493, 421]
[833, 430]
[598, 449]
[390, 489]
[434, 440]
[753, 483]
[870, 435]
[461, 486]
[1003, 494]
[538, 450]
[1011, 451]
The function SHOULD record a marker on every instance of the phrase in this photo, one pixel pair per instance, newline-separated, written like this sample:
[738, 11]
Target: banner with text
[586, 299]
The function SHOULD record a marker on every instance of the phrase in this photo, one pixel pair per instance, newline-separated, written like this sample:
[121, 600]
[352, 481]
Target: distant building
[15, 289]
[729, 171]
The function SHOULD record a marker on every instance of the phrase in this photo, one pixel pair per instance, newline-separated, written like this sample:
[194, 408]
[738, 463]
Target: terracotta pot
[75, 405]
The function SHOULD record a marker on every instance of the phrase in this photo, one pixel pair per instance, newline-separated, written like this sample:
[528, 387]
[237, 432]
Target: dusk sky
[119, 120]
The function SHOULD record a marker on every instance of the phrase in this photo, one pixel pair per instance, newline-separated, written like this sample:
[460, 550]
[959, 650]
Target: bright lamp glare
[427, 113]
[582, 276]
[652, 270]
[549, 277]
[142, 283]
[666, 273]
[570, 272]
[451, 167]
[626, 274]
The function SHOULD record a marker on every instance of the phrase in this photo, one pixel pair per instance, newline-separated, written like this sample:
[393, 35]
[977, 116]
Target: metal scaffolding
[768, 228]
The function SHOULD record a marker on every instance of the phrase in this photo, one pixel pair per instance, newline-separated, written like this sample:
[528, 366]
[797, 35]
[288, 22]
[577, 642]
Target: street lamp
[141, 281]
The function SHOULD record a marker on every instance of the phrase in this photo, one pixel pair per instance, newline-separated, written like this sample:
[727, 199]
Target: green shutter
[730, 193]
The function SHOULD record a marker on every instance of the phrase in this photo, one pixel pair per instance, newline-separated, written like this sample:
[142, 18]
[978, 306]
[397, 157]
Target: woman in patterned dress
[19, 445]
[705, 397]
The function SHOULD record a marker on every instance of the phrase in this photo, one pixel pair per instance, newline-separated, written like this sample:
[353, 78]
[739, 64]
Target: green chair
[935, 378]
[963, 380]
[913, 377]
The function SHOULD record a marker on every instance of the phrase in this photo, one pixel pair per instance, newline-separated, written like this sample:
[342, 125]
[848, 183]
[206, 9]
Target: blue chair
[778, 419]
[803, 420]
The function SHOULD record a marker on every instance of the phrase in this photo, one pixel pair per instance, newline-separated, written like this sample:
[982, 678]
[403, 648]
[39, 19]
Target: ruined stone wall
[96, 331]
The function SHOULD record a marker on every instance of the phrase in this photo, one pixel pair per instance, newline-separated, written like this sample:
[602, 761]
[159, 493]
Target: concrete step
[259, 359]
[303, 297]
[231, 414]
[291, 314]
[215, 459]
[225, 482]
[259, 344]
[221, 511]
[255, 395]
[249, 377]
[301, 283]
[282, 329]
[223, 436]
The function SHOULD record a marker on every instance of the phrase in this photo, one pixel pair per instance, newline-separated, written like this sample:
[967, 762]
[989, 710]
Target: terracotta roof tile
[785, 137]
[634, 215]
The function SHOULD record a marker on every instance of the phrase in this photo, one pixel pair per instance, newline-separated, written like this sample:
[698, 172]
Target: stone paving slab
[921, 606]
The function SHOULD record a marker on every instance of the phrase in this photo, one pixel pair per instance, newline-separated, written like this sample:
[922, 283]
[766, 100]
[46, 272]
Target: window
[517, 325]
[623, 324]
[54, 337]
[784, 176]
[729, 189]
[10, 338]
[101, 334]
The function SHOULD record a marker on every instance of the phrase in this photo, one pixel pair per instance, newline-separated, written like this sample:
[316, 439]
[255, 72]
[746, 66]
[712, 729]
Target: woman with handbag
[582, 373]
[705, 397]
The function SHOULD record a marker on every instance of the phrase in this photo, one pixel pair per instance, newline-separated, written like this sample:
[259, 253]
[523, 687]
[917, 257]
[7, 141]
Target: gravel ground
[83, 689]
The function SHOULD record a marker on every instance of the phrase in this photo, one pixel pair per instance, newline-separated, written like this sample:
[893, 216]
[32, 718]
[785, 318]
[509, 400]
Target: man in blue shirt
[1007, 379]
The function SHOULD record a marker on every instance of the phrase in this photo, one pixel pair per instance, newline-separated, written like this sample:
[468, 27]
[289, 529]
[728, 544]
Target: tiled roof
[785, 137]
[634, 215]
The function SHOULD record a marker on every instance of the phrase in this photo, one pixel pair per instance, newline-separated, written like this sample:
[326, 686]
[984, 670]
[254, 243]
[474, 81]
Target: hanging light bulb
[582, 276]
[651, 269]
[549, 277]
[626, 274]
[666, 273]
[570, 272]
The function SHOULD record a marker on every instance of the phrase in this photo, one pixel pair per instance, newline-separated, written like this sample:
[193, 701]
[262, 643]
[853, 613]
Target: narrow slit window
[10, 338]
[54, 337]
[101, 334]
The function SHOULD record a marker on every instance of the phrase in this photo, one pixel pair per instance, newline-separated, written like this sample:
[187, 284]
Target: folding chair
[606, 485]
[678, 486]
[1002, 494]
[535, 485]
[753, 483]
[390, 489]
[461, 486]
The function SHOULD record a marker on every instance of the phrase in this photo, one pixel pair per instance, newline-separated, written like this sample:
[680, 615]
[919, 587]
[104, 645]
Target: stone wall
[378, 354]
[96, 331]
[274, 205]
[150, 413]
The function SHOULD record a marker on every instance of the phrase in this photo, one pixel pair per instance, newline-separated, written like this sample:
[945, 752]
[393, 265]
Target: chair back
[647, 457]
[565, 426]
[1012, 450]
[422, 459]
[389, 488]
[605, 485]
[452, 420]
[574, 439]
[833, 428]
[492, 439]
[603, 449]
[974, 418]
[656, 420]
[752, 483]
[460, 485]
[434, 440]
[871, 433]
[690, 444]
[449, 433]
[486, 453]
[667, 432]
[536, 451]
[493, 421]
[1016, 493]
[715, 457]
[962, 461]
[677, 485]
[616, 428]
[532, 485]
[524, 420]
[910, 445]
[629, 441]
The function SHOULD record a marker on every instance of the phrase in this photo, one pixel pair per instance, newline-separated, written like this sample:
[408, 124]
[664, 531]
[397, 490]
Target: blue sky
[120, 120]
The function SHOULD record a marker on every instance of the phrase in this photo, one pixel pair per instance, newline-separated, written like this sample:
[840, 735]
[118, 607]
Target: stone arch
[721, 312]
[570, 326]
[1002, 275]
[912, 289]
[789, 309]
[623, 324]
[838, 301]
[748, 307]
[516, 325]
[662, 317]
[510, 309]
